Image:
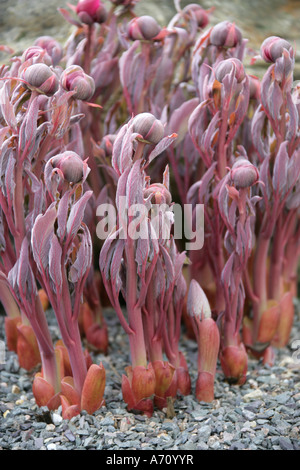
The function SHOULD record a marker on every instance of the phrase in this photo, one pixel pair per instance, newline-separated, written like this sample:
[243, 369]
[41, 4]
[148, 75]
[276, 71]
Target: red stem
[136, 338]
[88, 49]
[19, 208]
[277, 256]
[72, 340]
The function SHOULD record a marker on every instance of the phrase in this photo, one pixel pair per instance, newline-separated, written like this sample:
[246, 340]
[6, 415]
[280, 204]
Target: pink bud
[37, 54]
[51, 46]
[197, 302]
[160, 193]
[198, 12]
[150, 128]
[226, 67]
[75, 79]
[73, 168]
[225, 34]
[41, 77]
[272, 48]
[91, 11]
[143, 27]
[243, 173]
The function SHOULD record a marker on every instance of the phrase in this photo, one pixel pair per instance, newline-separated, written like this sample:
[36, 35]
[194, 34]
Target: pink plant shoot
[208, 339]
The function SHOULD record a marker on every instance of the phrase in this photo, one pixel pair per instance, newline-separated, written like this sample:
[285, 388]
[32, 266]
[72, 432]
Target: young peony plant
[208, 340]
[132, 260]
[62, 249]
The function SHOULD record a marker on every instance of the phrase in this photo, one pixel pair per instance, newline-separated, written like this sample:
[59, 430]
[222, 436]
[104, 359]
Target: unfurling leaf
[76, 215]
[41, 237]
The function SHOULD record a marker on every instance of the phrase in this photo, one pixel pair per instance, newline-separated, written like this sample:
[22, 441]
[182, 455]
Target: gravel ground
[263, 414]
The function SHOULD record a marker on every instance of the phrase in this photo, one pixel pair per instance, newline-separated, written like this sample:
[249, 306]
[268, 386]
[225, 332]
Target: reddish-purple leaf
[106, 253]
[207, 143]
[293, 174]
[116, 264]
[104, 70]
[279, 179]
[76, 214]
[41, 237]
[169, 267]
[227, 274]
[162, 146]
[223, 202]
[293, 123]
[257, 126]
[178, 122]
[83, 257]
[10, 180]
[7, 108]
[135, 186]
[137, 81]
[264, 176]
[275, 100]
[21, 277]
[67, 16]
[123, 149]
[28, 127]
[141, 254]
[125, 65]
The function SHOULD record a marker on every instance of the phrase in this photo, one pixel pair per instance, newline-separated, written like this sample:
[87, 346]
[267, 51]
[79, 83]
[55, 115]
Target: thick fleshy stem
[260, 280]
[88, 48]
[282, 235]
[73, 340]
[153, 341]
[136, 338]
[34, 312]
[49, 363]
